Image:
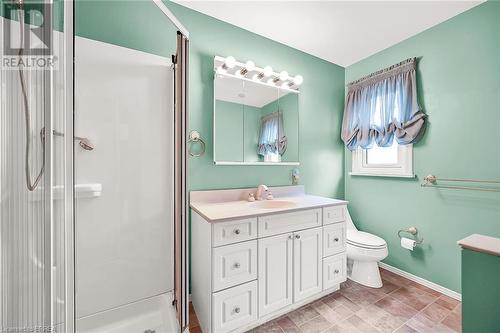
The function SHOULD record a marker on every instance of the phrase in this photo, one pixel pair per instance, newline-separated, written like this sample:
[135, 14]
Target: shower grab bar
[85, 143]
[56, 133]
[431, 181]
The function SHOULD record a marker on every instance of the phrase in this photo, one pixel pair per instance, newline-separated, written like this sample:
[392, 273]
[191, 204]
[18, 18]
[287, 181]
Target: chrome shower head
[86, 144]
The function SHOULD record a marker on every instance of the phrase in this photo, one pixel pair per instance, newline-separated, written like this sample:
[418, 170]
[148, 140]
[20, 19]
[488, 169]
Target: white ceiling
[342, 32]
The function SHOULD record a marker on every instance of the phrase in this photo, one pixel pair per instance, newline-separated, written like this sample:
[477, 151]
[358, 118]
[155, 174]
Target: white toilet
[364, 251]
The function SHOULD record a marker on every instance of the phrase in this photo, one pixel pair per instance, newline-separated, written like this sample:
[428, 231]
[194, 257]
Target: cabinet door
[275, 272]
[307, 263]
[333, 239]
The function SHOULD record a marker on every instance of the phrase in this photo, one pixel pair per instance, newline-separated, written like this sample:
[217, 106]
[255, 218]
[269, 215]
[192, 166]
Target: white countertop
[231, 206]
[481, 243]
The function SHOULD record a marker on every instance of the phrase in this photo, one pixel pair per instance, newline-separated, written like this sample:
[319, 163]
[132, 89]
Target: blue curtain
[272, 138]
[383, 107]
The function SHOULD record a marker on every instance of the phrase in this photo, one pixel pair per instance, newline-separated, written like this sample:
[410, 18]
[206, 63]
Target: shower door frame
[181, 243]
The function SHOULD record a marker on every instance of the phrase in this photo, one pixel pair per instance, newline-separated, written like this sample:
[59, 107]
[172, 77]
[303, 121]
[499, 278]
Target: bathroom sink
[273, 204]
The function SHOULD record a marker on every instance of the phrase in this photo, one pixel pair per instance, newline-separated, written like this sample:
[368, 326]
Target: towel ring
[195, 137]
[413, 231]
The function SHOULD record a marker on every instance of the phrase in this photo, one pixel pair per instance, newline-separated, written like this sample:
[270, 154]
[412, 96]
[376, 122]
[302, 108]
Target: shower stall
[93, 100]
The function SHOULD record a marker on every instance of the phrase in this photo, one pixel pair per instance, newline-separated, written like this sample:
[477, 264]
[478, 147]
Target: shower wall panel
[124, 105]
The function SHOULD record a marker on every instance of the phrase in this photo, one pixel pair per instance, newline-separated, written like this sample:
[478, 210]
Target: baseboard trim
[427, 283]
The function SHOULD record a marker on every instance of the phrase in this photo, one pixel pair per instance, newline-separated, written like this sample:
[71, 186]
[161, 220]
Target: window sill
[409, 176]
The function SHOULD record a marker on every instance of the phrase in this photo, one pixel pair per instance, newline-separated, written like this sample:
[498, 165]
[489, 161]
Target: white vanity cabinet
[249, 270]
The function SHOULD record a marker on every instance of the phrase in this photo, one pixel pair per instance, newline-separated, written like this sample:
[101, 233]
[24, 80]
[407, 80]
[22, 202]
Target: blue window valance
[272, 138]
[383, 107]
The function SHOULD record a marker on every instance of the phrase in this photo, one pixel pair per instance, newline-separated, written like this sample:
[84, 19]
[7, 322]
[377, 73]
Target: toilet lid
[364, 239]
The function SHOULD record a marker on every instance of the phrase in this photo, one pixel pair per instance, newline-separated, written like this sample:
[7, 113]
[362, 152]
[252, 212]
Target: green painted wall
[480, 292]
[459, 86]
[321, 107]
[138, 25]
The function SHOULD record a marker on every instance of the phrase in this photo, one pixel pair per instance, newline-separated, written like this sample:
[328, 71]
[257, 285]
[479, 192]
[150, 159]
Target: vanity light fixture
[267, 71]
[249, 71]
[296, 81]
[229, 63]
[249, 66]
[283, 76]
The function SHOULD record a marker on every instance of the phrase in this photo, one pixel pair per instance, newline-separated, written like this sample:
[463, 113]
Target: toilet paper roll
[407, 243]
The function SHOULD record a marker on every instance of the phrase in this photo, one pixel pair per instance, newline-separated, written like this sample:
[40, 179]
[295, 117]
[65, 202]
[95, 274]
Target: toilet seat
[365, 240]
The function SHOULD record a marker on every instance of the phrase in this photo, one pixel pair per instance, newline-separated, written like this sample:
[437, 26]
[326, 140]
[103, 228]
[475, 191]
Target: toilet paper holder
[413, 231]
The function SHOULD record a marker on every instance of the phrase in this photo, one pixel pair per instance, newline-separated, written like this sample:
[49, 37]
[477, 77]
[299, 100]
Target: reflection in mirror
[254, 122]
[229, 119]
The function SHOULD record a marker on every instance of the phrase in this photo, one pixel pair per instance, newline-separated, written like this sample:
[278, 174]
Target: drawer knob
[236, 265]
[236, 310]
[336, 239]
[297, 236]
[237, 231]
[290, 237]
[336, 271]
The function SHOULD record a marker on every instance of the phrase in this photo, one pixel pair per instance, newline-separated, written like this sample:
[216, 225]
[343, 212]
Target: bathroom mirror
[254, 122]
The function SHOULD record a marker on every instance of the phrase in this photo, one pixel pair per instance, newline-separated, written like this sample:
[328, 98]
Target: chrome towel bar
[195, 137]
[432, 181]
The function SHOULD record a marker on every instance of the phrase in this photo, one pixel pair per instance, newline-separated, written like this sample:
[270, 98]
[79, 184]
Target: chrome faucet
[262, 191]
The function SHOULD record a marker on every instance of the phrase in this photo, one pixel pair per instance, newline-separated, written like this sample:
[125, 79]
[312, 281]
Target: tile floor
[400, 306]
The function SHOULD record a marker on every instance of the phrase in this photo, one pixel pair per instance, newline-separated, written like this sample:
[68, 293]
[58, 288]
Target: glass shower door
[124, 84]
[35, 182]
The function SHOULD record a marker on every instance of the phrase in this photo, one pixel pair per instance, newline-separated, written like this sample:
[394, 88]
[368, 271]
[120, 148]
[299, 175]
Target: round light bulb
[249, 65]
[268, 71]
[284, 76]
[230, 62]
[256, 77]
[297, 80]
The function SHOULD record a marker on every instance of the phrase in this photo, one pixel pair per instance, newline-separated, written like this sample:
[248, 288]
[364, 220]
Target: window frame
[403, 168]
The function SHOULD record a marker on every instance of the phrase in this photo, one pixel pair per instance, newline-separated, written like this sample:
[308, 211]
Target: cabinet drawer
[333, 214]
[334, 270]
[333, 239]
[287, 222]
[234, 308]
[234, 264]
[234, 231]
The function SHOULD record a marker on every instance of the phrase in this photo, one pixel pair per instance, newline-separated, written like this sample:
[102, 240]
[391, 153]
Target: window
[393, 161]
[382, 109]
